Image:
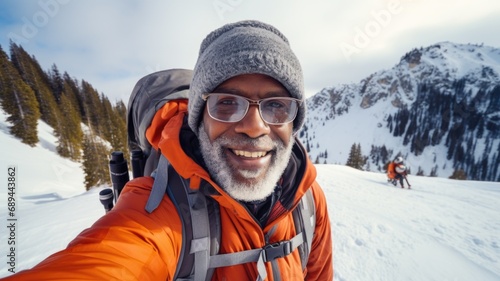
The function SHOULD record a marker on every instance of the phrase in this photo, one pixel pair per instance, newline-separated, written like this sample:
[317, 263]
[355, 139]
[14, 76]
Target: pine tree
[119, 123]
[317, 160]
[359, 157]
[356, 158]
[33, 75]
[72, 124]
[89, 163]
[19, 101]
[70, 133]
[420, 172]
[72, 91]
[434, 171]
[115, 127]
[350, 159]
[121, 110]
[95, 164]
[93, 112]
[57, 83]
[459, 174]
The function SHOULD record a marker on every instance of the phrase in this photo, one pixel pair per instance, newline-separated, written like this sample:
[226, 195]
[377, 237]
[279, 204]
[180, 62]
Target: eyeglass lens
[233, 108]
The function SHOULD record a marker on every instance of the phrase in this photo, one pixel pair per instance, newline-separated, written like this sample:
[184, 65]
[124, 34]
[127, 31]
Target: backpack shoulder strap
[304, 217]
[200, 222]
[159, 185]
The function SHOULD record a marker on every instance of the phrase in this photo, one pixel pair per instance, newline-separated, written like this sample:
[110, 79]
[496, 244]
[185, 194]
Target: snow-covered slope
[42, 174]
[438, 108]
[440, 230]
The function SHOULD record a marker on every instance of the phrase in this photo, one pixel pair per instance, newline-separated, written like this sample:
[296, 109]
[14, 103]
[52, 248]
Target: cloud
[112, 44]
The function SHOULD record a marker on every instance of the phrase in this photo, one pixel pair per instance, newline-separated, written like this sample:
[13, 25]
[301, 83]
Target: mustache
[243, 140]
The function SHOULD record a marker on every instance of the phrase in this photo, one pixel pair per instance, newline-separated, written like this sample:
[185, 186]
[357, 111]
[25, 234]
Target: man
[236, 144]
[396, 171]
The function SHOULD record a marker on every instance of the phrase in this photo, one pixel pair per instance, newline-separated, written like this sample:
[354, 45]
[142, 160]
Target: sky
[440, 229]
[112, 44]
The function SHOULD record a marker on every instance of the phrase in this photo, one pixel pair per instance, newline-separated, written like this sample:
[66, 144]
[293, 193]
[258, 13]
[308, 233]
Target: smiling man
[243, 152]
[234, 146]
[246, 106]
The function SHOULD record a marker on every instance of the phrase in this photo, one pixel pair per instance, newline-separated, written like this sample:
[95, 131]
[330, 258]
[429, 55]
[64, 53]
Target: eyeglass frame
[253, 102]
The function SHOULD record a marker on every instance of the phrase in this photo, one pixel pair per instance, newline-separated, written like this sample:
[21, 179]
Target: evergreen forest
[87, 125]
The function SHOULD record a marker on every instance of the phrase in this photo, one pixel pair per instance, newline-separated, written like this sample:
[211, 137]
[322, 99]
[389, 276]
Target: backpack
[149, 95]
[199, 214]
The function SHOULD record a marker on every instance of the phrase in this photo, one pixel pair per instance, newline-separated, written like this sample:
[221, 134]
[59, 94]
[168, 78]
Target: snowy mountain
[441, 229]
[439, 108]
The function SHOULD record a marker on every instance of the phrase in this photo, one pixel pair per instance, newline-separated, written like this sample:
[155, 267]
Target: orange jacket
[130, 244]
[391, 170]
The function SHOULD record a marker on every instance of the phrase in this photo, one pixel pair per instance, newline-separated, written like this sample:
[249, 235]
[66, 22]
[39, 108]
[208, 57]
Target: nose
[252, 124]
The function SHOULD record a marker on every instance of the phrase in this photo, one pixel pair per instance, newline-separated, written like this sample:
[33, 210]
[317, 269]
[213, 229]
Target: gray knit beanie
[242, 48]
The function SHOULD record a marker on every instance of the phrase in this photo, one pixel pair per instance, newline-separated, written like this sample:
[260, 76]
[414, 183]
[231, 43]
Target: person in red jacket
[236, 142]
[396, 171]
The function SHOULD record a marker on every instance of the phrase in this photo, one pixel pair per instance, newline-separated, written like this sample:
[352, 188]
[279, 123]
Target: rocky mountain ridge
[439, 107]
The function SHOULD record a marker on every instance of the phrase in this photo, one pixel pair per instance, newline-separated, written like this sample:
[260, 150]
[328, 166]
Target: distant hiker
[396, 171]
[235, 144]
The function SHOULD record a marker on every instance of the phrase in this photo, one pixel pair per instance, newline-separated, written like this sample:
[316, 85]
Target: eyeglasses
[233, 108]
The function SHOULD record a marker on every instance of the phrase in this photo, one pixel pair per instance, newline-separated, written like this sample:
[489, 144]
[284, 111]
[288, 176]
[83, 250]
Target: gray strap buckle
[276, 250]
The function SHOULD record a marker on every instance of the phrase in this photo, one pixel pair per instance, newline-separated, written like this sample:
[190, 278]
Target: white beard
[223, 173]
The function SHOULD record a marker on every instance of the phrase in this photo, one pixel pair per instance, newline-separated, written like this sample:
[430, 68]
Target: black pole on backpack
[106, 198]
[118, 169]
[138, 162]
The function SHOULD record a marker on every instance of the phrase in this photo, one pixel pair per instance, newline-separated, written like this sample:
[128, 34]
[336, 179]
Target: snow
[441, 229]
[42, 173]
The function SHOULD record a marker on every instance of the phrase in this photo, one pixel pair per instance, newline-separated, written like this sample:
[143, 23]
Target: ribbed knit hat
[242, 48]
